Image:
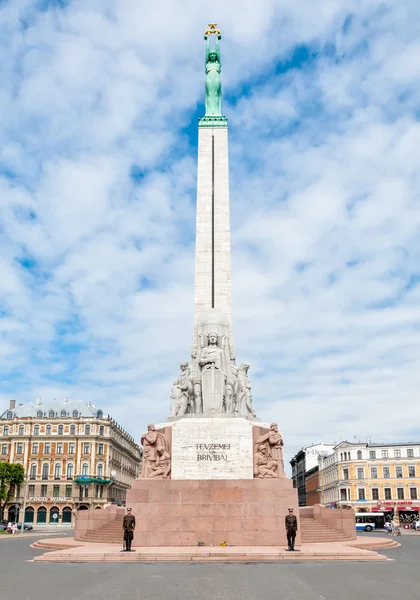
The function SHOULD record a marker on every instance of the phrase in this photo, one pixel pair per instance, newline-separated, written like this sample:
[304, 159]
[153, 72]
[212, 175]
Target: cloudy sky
[99, 103]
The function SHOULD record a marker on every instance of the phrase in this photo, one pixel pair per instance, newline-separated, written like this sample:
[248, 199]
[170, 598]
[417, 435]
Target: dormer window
[51, 413]
[39, 414]
[99, 414]
[63, 413]
[75, 413]
[9, 415]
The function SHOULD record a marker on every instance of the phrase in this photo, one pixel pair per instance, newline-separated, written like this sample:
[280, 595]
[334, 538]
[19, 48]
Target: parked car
[365, 526]
[26, 527]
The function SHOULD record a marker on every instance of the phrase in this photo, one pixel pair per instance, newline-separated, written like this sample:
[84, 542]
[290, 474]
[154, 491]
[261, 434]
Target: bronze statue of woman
[213, 81]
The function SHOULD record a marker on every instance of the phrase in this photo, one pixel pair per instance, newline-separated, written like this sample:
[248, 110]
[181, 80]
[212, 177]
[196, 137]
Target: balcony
[85, 479]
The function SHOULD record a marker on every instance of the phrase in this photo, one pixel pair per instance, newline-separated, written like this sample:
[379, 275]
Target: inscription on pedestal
[200, 449]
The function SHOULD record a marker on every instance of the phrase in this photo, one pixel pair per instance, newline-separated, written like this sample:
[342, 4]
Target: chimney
[38, 401]
[66, 400]
[12, 404]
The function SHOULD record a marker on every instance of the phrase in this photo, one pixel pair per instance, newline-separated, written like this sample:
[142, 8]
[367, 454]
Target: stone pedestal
[212, 448]
[183, 513]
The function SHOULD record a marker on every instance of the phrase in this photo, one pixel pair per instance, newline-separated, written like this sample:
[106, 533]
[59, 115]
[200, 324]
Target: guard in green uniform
[291, 529]
[129, 525]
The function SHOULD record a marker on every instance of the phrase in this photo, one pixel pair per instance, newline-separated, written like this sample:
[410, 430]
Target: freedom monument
[212, 471]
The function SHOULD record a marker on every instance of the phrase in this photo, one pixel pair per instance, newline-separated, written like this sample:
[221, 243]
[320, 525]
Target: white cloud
[324, 191]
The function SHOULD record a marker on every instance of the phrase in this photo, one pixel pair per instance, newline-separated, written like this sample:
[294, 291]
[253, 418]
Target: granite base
[184, 513]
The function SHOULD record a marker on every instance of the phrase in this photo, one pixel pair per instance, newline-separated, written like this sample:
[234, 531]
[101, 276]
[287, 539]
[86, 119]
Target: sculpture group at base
[156, 458]
[212, 383]
[268, 454]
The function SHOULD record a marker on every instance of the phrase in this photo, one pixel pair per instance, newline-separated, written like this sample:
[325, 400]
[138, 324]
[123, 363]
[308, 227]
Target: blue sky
[98, 113]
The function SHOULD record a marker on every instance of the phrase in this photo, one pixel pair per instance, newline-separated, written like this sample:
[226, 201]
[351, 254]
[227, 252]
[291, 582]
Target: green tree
[10, 477]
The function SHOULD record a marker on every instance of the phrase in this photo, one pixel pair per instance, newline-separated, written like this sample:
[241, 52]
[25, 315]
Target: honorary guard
[291, 529]
[129, 525]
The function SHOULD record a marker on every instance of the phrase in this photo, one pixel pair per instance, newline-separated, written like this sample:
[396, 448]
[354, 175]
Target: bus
[377, 519]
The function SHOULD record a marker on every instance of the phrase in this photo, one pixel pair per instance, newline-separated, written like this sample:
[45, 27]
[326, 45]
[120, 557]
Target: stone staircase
[111, 534]
[314, 532]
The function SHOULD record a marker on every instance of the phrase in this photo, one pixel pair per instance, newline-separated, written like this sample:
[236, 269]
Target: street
[22, 579]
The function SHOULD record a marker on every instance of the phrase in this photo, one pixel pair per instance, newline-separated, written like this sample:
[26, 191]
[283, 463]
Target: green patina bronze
[213, 86]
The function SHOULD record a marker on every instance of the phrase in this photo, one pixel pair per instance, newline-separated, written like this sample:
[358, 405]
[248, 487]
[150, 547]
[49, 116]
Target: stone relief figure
[197, 402]
[244, 391]
[213, 84]
[264, 466]
[272, 442]
[213, 375]
[156, 459]
[161, 469]
[181, 392]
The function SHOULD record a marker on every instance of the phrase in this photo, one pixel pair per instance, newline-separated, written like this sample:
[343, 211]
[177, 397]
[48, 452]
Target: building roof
[67, 405]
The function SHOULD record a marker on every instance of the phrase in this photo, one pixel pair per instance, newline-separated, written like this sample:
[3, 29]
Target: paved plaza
[22, 579]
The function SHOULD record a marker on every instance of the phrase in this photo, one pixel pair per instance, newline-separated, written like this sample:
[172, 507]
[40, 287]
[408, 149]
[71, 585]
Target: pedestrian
[291, 529]
[129, 525]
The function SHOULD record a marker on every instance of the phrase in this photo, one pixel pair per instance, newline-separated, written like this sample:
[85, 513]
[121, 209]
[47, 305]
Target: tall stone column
[213, 287]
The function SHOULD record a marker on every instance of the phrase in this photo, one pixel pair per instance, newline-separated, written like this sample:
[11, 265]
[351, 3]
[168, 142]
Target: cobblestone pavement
[22, 579]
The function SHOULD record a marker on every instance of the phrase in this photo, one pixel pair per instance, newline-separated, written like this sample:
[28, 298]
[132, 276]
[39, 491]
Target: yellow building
[74, 456]
[372, 478]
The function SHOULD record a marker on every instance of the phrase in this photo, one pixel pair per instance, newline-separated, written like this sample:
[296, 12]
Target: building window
[86, 448]
[398, 472]
[386, 472]
[40, 414]
[35, 448]
[19, 448]
[43, 490]
[75, 414]
[72, 429]
[47, 448]
[345, 473]
[410, 453]
[59, 448]
[69, 491]
[36, 430]
[374, 473]
[45, 471]
[5, 430]
[48, 430]
[63, 413]
[51, 413]
[87, 429]
[400, 493]
[359, 455]
[101, 430]
[100, 471]
[397, 453]
[32, 474]
[360, 473]
[361, 494]
[99, 414]
[372, 454]
[384, 453]
[100, 448]
[56, 491]
[388, 493]
[72, 448]
[60, 429]
[4, 449]
[21, 430]
[9, 415]
[411, 470]
[57, 471]
[343, 494]
[413, 493]
[70, 470]
[85, 469]
[375, 494]
[31, 491]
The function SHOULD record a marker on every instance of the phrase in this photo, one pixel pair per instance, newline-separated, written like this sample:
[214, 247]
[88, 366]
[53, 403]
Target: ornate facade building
[381, 478]
[75, 457]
